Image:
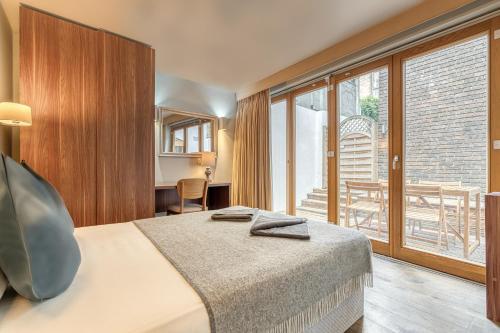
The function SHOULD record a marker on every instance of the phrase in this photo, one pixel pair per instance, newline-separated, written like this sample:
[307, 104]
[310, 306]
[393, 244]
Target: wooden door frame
[445, 264]
[290, 185]
[316, 85]
[289, 97]
[332, 146]
[377, 245]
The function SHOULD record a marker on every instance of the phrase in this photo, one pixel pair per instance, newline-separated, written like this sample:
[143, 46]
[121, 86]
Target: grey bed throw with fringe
[262, 284]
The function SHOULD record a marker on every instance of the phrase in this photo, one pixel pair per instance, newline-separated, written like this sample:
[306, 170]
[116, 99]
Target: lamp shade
[14, 114]
[207, 159]
[222, 124]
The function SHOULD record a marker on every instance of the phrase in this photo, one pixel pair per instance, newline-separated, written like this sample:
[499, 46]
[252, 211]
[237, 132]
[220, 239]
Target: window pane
[193, 142]
[446, 149]
[278, 155]
[311, 142]
[179, 141]
[207, 136]
[167, 138]
[363, 153]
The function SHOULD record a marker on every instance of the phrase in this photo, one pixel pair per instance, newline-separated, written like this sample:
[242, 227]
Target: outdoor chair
[452, 205]
[371, 202]
[420, 209]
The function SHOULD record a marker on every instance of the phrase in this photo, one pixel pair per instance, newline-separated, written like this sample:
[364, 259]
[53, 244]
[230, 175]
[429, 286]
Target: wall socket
[496, 144]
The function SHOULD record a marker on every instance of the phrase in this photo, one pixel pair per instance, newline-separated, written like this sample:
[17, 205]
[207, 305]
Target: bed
[125, 284]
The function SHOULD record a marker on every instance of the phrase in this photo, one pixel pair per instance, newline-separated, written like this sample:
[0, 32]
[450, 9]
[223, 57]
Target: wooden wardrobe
[92, 99]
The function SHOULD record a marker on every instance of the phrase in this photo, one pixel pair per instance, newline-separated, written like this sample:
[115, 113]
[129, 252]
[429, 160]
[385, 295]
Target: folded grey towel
[278, 225]
[236, 214]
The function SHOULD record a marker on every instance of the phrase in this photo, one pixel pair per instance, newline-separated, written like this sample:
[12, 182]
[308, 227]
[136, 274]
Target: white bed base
[342, 317]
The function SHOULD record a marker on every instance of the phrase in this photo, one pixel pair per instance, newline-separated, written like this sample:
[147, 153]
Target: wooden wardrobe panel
[492, 230]
[125, 132]
[59, 68]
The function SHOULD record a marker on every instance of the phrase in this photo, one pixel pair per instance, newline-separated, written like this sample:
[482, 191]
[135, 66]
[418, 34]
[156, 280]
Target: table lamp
[14, 114]
[208, 161]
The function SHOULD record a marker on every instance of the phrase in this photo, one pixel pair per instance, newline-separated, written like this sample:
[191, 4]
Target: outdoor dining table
[466, 193]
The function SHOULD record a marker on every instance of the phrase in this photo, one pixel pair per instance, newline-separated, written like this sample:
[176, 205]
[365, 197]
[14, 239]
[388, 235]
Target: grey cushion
[38, 252]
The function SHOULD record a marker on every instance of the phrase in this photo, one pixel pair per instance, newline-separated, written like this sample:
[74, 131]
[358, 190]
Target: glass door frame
[442, 263]
[377, 245]
[289, 97]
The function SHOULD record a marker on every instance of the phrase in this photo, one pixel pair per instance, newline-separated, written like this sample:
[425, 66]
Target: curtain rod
[81, 24]
[434, 28]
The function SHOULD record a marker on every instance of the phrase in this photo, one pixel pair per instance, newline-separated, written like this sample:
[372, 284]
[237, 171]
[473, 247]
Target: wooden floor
[407, 298]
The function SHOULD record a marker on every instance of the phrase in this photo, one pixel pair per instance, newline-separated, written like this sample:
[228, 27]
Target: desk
[218, 196]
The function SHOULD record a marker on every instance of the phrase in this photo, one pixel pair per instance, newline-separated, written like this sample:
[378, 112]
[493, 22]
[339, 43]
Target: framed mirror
[186, 134]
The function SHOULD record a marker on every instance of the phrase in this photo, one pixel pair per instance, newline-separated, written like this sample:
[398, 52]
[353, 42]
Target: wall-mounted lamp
[208, 161]
[223, 122]
[157, 114]
[14, 114]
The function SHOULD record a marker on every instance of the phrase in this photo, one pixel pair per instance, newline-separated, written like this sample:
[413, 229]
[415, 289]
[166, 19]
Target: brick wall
[446, 110]
[446, 115]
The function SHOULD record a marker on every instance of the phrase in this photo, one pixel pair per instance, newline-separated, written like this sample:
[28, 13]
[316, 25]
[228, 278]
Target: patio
[424, 236]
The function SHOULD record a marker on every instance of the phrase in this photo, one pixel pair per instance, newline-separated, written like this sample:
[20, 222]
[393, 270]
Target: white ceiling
[228, 43]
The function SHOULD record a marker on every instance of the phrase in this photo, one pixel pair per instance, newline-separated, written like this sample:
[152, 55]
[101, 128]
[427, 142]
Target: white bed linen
[124, 284]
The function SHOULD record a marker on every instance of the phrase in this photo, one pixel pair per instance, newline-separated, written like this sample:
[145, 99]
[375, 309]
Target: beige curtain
[251, 165]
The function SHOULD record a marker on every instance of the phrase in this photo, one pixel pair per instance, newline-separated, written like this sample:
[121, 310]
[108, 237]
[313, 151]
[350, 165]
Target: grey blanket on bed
[262, 284]
[279, 225]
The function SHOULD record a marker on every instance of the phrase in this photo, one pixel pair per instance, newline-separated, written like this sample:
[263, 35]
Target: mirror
[185, 133]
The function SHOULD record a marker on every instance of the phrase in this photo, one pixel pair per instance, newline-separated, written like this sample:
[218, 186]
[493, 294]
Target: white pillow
[3, 284]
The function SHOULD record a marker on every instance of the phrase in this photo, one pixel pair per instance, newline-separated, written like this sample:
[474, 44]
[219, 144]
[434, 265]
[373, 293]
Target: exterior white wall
[308, 151]
[278, 155]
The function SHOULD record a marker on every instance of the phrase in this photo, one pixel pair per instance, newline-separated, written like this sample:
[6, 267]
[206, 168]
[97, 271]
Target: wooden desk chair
[421, 210]
[371, 204]
[191, 188]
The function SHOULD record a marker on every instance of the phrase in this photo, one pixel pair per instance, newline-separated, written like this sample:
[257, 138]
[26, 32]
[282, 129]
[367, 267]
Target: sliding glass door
[299, 152]
[397, 149]
[362, 106]
[310, 153]
[412, 152]
[443, 124]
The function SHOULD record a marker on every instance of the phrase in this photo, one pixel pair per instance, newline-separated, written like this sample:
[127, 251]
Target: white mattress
[124, 284]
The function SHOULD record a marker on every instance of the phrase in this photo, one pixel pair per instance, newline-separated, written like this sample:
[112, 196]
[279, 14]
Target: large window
[407, 162]
[446, 149]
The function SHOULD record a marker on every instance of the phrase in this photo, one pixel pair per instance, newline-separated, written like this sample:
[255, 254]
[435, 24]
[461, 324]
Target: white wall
[309, 151]
[5, 77]
[191, 96]
[278, 155]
